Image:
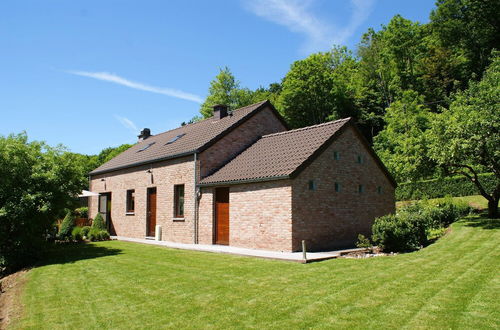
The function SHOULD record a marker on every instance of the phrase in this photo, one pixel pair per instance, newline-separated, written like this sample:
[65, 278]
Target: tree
[471, 29]
[402, 145]
[38, 184]
[465, 139]
[225, 89]
[318, 89]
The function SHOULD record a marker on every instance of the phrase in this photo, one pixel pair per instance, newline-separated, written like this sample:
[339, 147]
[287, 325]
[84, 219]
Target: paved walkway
[288, 256]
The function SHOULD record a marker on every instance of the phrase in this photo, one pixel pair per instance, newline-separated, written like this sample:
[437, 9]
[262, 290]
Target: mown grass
[453, 283]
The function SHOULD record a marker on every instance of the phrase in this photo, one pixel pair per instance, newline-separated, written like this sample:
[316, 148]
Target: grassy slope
[452, 283]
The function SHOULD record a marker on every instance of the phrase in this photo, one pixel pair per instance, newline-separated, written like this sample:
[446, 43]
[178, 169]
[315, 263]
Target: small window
[337, 187]
[179, 201]
[336, 155]
[130, 201]
[146, 147]
[361, 189]
[312, 185]
[379, 189]
[172, 140]
[360, 159]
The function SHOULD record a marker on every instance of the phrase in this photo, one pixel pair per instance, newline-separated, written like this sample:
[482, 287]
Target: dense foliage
[38, 184]
[441, 187]
[411, 227]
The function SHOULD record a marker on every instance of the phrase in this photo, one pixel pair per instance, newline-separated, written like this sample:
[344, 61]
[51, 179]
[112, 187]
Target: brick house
[243, 179]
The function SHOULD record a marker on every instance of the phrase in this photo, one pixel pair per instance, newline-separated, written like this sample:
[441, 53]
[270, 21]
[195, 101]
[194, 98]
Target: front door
[105, 210]
[151, 212]
[222, 216]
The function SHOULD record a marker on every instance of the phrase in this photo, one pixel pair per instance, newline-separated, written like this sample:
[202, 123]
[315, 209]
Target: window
[379, 189]
[336, 155]
[312, 185]
[130, 201]
[146, 146]
[360, 159]
[337, 187]
[172, 140]
[179, 201]
[361, 188]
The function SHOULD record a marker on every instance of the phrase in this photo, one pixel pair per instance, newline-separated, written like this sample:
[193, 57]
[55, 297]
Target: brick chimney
[145, 133]
[220, 111]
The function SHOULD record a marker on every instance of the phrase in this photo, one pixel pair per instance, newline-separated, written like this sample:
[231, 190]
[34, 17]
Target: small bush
[67, 226]
[98, 222]
[93, 234]
[363, 242]
[85, 231]
[103, 235]
[98, 235]
[82, 212]
[76, 234]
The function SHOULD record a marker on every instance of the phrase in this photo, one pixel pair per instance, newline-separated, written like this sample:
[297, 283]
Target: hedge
[441, 187]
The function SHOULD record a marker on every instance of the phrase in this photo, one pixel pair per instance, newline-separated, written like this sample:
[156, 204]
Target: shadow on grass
[73, 252]
[482, 221]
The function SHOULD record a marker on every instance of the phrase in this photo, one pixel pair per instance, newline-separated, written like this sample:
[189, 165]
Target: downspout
[195, 198]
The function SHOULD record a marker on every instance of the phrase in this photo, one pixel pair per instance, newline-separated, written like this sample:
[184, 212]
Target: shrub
[103, 235]
[363, 242]
[98, 222]
[403, 232]
[82, 212]
[67, 226]
[85, 231]
[76, 234]
[436, 188]
[94, 234]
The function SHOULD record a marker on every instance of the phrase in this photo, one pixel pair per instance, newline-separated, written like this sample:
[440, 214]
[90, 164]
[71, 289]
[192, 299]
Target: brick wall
[165, 175]
[328, 219]
[262, 123]
[259, 216]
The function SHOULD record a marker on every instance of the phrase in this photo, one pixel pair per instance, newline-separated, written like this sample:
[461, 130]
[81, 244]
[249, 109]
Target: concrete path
[288, 256]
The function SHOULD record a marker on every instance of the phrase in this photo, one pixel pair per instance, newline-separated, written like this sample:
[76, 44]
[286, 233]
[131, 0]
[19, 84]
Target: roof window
[172, 140]
[146, 147]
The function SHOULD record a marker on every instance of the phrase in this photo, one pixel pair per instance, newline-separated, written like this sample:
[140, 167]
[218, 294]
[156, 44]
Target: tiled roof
[277, 155]
[193, 137]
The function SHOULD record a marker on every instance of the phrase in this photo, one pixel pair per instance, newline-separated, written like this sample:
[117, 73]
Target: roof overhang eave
[234, 182]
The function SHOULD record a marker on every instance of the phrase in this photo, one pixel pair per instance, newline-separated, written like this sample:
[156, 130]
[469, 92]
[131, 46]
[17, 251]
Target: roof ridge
[258, 104]
[309, 127]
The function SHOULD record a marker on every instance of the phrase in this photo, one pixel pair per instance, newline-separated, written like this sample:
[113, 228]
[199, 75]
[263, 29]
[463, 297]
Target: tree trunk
[493, 209]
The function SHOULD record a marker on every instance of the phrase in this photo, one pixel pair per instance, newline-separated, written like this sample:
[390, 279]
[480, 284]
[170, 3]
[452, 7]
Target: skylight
[146, 146]
[172, 140]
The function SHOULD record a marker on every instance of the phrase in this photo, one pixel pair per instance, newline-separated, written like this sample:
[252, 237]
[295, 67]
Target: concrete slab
[276, 255]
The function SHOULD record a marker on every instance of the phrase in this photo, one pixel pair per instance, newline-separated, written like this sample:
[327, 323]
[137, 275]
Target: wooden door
[151, 212]
[222, 216]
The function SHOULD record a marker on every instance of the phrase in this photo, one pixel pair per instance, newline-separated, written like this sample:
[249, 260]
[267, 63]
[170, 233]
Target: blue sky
[91, 74]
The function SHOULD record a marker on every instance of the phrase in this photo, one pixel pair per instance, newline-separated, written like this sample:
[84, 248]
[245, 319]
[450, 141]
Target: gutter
[225, 183]
[195, 199]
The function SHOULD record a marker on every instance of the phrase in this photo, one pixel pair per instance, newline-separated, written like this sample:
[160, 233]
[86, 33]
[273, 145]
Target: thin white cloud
[296, 15]
[113, 78]
[127, 123]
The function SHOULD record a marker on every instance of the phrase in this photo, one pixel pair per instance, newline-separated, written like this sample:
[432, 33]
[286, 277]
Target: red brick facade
[273, 215]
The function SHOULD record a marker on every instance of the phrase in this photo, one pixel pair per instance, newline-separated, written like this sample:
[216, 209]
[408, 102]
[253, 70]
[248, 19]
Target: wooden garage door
[222, 216]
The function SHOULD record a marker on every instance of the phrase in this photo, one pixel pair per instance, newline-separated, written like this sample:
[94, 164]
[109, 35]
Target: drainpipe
[195, 196]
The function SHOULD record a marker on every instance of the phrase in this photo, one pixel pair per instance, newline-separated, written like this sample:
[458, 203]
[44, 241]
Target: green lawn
[453, 283]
